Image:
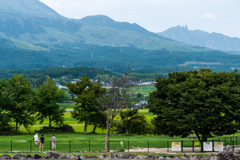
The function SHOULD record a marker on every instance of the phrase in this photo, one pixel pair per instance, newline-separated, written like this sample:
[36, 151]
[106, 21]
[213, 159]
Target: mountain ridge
[201, 38]
[42, 25]
[23, 7]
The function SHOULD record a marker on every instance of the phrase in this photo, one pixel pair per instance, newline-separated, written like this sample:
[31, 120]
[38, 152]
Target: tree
[131, 122]
[20, 101]
[127, 117]
[113, 102]
[49, 95]
[200, 102]
[4, 118]
[97, 120]
[84, 93]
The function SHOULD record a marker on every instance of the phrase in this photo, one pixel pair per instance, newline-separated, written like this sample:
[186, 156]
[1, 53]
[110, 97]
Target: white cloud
[208, 16]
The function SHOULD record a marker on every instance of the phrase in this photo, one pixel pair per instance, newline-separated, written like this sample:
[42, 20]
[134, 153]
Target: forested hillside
[109, 58]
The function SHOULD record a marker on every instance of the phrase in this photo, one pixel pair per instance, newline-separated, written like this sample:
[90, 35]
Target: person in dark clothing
[41, 143]
[78, 158]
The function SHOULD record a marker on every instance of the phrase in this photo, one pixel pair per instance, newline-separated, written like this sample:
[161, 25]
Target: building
[143, 102]
[75, 81]
[135, 106]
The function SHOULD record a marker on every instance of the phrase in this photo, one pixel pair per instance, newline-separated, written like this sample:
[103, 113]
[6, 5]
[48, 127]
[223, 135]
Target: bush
[64, 128]
[131, 122]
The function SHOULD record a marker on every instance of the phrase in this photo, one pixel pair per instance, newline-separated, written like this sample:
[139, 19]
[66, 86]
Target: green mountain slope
[26, 7]
[44, 39]
[201, 38]
[109, 58]
[33, 22]
[13, 43]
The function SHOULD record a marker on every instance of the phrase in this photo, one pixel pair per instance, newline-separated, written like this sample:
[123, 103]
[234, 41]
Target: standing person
[35, 138]
[53, 142]
[78, 158]
[41, 143]
[227, 147]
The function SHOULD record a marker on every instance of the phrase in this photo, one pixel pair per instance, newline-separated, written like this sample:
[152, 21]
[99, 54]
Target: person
[35, 138]
[78, 157]
[53, 142]
[41, 143]
[227, 147]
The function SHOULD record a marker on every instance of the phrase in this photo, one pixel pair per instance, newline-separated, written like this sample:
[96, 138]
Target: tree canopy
[197, 102]
[84, 93]
[19, 103]
[49, 95]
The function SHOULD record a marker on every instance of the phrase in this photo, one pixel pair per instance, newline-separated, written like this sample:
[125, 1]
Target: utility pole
[48, 49]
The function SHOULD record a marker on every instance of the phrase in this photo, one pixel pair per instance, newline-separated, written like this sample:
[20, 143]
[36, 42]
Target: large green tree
[84, 93]
[48, 97]
[197, 102]
[20, 100]
[4, 118]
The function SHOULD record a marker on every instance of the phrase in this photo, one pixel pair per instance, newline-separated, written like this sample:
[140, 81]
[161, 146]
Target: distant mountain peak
[201, 38]
[24, 7]
[97, 20]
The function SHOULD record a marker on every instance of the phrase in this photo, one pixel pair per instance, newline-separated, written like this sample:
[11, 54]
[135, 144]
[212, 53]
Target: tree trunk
[204, 139]
[16, 125]
[107, 137]
[50, 122]
[201, 146]
[94, 128]
[85, 127]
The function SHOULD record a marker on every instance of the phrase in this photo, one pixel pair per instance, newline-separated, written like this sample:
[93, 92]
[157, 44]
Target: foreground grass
[94, 142]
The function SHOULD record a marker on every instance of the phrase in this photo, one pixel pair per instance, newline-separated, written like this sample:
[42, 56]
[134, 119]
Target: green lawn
[93, 142]
[78, 127]
[144, 89]
[69, 105]
[79, 142]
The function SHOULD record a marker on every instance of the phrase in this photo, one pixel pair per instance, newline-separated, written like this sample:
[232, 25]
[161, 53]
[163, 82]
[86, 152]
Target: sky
[221, 16]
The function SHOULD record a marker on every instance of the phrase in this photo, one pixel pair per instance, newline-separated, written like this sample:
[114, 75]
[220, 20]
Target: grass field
[144, 89]
[79, 127]
[95, 142]
[66, 105]
[78, 142]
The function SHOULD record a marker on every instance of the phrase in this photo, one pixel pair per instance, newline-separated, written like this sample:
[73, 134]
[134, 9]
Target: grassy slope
[13, 43]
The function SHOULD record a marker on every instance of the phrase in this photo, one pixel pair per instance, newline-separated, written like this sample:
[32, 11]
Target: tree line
[24, 105]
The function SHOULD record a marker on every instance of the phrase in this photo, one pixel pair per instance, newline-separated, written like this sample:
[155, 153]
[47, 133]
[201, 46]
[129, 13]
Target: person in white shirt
[35, 138]
[227, 147]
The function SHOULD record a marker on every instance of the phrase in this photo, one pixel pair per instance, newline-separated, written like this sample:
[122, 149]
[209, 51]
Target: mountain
[200, 38]
[33, 22]
[33, 36]
[26, 7]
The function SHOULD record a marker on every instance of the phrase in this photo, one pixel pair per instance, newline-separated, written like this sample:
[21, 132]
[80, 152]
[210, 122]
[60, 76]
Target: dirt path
[169, 150]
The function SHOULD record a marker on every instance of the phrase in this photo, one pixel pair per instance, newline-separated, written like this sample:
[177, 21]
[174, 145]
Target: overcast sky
[221, 16]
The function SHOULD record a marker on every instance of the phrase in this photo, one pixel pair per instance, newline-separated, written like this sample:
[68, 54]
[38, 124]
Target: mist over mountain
[200, 38]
